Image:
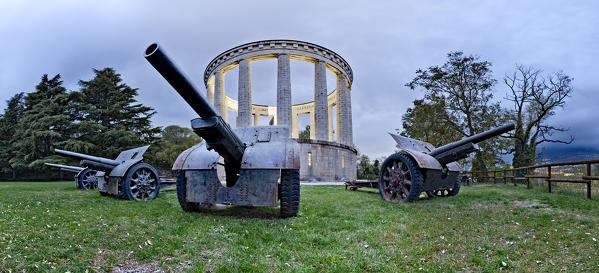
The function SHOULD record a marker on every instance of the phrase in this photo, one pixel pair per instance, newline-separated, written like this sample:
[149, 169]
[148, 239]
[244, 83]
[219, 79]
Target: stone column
[256, 120]
[219, 95]
[294, 129]
[350, 131]
[321, 125]
[210, 91]
[343, 118]
[331, 123]
[312, 126]
[283, 91]
[244, 95]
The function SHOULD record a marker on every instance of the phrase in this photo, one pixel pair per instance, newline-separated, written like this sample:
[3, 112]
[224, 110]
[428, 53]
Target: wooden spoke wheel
[400, 179]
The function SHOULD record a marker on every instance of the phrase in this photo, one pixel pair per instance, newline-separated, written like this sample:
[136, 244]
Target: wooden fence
[528, 172]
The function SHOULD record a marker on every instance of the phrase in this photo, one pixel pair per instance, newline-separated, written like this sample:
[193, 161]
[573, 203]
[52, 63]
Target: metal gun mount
[254, 158]
[419, 166]
[126, 176]
[85, 178]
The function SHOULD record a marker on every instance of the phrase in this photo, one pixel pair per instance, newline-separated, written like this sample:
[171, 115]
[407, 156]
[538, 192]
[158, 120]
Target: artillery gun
[253, 158]
[126, 176]
[419, 166]
[85, 178]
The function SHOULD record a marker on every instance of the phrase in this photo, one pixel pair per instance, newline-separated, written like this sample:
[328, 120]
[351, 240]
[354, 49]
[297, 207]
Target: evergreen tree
[108, 117]
[8, 125]
[45, 122]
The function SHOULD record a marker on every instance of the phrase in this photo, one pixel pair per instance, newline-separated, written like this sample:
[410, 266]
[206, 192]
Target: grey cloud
[384, 43]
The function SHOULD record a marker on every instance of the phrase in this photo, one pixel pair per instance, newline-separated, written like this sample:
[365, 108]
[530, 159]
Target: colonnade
[320, 110]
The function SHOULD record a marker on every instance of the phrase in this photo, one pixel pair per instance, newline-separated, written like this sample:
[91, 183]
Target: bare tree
[535, 98]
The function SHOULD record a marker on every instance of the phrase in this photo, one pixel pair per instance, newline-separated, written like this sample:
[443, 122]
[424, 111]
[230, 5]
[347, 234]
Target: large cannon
[126, 176]
[419, 166]
[253, 158]
[85, 178]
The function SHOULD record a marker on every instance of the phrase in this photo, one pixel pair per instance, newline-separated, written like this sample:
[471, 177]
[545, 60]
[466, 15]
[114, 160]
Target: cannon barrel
[211, 126]
[102, 160]
[160, 61]
[65, 167]
[473, 139]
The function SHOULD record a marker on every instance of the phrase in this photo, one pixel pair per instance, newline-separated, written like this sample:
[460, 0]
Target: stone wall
[330, 161]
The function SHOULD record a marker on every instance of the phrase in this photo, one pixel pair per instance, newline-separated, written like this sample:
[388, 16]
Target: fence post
[548, 179]
[494, 176]
[589, 182]
[527, 178]
[504, 178]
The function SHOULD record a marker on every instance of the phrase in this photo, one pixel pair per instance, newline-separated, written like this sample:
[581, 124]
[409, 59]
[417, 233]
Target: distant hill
[560, 153]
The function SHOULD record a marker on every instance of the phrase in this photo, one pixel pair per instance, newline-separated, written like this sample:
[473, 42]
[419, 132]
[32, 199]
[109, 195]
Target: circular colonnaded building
[325, 156]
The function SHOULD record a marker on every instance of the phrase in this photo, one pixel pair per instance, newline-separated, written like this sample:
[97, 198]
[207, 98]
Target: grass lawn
[54, 226]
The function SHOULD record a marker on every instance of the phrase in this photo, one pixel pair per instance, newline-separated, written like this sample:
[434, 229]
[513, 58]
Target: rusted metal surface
[437, 179]
[253, 188]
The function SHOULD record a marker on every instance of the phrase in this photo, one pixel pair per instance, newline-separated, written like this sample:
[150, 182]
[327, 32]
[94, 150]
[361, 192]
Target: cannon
[254, 159]
[419, 166]
[85, 178]
[127, 176]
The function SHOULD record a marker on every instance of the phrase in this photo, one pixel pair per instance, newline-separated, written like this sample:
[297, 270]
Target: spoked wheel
[86, 180]
[141, 182]
[446, 192]
[400, 179]
[182, 193]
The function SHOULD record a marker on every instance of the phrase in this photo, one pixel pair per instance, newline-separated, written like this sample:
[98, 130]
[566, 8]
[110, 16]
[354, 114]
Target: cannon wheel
[289, 190]
[87, 180]
[400, 179]
[182, 193]
[141, 182]
[446, 192]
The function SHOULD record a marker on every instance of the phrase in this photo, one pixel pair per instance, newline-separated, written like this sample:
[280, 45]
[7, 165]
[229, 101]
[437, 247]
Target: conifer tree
[108, 117]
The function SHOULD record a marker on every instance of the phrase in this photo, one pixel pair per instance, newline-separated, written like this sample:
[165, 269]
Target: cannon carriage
[127, 176]
[261, 163]
[419, 166]
[85, 178]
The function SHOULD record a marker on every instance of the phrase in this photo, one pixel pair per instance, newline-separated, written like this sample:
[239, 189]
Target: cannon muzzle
[104, 161]
[211, 127]
[178, 81]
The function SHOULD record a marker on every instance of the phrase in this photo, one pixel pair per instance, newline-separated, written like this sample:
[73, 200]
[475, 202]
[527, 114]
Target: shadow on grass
[242, 212]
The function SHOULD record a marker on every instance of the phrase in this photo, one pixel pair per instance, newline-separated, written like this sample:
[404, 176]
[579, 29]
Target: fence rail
[516, 174]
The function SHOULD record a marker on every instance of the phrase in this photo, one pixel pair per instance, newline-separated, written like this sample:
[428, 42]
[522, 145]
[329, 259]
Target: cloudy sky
[383, 41]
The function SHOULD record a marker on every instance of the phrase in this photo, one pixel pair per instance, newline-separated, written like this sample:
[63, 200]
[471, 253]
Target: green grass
[54, 226]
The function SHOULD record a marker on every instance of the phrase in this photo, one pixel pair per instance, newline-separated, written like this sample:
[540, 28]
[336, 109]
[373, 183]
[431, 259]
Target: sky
[384, 42]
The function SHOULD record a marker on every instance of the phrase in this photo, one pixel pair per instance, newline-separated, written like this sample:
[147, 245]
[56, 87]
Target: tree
[8, 125]
[535, 98]
[45, 122]
[366, 169]
[108, 117]
[426, 122]
[305, 134]
[458, 95]
[174, 140]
